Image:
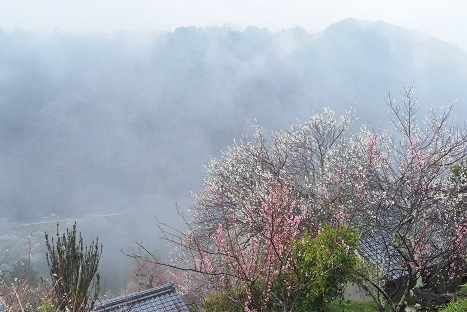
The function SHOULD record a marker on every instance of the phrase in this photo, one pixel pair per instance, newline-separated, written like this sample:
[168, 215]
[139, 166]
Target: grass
[462, 290]
[456, 306]
[353, 306]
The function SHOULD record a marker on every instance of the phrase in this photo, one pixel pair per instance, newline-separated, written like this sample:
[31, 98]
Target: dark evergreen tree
[23, 271]
[73, 269]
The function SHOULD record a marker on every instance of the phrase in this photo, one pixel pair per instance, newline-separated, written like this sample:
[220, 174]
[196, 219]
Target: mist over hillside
[112, 129]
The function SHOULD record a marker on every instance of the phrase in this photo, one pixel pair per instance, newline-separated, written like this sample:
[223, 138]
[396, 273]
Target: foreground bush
[232, 301]
[456, 306]
[319, 266]
[324, 264]
[353, 306]
[73, 270]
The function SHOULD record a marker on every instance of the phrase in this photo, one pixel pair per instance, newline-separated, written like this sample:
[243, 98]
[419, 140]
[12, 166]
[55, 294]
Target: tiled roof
[161, 298]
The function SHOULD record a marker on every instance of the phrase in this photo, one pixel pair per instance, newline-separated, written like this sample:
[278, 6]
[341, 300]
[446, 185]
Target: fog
[111, 130]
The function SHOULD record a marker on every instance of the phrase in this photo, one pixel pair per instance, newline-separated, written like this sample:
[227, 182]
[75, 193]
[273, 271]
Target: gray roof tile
[161, 298]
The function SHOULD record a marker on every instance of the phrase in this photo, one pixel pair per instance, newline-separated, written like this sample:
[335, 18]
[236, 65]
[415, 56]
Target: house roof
[161, 298]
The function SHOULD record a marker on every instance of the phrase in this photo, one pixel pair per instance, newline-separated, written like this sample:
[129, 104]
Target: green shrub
[47, 306]
[232, 301]
[456, 306]
[462, 290]
[73, 270]
[353, 306]
[323, 264]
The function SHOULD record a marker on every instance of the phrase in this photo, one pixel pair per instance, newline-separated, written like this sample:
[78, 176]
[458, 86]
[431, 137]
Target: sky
[445, 20]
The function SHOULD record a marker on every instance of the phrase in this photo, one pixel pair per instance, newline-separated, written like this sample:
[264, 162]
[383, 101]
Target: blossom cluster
[394, 187]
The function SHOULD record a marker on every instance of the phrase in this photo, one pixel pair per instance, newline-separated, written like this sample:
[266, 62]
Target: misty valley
[120, 132]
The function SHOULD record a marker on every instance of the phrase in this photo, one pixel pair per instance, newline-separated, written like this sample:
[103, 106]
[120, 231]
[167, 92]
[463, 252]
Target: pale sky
[446, 20]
